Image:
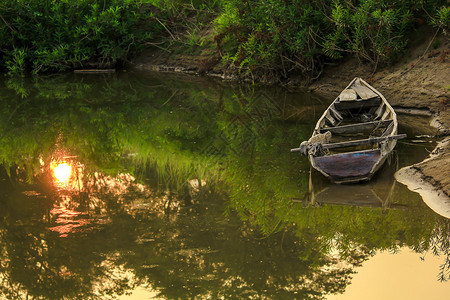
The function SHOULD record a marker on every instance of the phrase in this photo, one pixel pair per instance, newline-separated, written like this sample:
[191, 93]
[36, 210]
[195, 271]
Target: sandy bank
[427, 179]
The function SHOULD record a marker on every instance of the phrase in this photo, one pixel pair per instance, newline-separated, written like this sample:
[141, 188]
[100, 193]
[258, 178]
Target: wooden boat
[354, 136]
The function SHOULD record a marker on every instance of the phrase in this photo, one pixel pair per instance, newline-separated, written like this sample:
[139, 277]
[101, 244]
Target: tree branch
[7, 24]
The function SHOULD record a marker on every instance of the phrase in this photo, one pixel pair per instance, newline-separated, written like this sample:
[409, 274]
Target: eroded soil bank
[417, 85]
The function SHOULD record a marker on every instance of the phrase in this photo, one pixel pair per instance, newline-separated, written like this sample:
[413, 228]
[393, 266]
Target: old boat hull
[349, 167]
[358, 110]
[375, 194]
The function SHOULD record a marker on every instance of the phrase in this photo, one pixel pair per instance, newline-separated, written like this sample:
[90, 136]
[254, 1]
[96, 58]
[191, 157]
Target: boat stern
[349, 167]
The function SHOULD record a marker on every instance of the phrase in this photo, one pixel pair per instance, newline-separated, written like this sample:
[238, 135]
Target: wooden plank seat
[369, 141]
[357, 104]
[359, 127]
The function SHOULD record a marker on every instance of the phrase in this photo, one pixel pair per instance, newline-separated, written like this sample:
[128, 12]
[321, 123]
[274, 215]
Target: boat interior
[358, 113]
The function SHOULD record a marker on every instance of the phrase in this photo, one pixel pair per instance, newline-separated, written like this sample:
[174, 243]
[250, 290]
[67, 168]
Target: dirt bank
[430, 179]
[419, 84]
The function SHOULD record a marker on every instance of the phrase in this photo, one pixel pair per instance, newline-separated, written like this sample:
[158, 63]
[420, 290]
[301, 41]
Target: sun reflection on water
[67, 173]
[62, 172]
[83, 196]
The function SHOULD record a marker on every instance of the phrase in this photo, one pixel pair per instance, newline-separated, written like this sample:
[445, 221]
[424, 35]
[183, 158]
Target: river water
[142, 185]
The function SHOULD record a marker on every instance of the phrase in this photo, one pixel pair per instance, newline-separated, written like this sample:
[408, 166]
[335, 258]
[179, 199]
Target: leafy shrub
[16, 62]
[59, 35]
[274, 37]
[298, 35]
[442, 18]
[185, 20]
[375, 30]
[270, 34]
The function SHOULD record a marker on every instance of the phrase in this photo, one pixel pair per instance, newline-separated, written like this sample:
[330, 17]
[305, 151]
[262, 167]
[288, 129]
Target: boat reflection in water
[375, 193]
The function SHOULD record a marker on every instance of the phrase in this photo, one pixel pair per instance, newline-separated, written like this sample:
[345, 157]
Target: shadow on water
[184, 186]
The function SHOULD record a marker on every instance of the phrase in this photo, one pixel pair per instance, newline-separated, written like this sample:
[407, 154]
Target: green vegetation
[256, 36]
[49, 35]
[299, 36]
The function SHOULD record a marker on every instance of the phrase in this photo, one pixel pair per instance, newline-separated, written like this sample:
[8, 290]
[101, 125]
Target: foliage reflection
[155, 162]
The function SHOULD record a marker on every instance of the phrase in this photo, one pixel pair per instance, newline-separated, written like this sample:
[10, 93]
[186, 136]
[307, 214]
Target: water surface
[176, 187]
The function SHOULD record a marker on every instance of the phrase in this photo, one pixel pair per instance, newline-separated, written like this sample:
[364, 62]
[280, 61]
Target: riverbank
[417, 85]
[430, 178]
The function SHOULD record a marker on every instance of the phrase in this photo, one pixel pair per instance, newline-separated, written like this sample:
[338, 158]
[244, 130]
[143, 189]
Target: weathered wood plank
[358, 142]
[363, 91]
[343, 105]
[359, 127]
[363, 142]
[331, 120]
[388, 129]
[386, 115]
[336, 114]
[380, 111]
[348, 95]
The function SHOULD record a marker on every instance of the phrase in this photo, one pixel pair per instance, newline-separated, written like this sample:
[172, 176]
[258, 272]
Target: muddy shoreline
[417, 86]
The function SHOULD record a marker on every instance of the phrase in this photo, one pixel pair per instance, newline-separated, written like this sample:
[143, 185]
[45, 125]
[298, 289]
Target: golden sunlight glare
[62, 172]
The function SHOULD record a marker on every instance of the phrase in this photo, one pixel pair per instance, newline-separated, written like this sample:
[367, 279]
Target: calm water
[136, 186]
